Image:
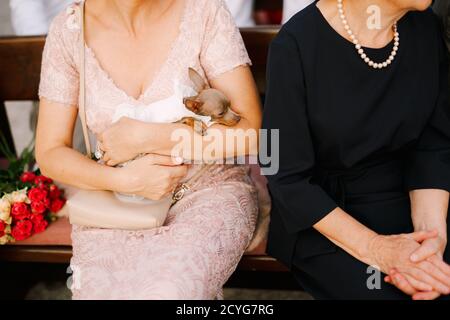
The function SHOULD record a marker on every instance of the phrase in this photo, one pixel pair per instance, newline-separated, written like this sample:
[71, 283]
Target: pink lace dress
[207, 232]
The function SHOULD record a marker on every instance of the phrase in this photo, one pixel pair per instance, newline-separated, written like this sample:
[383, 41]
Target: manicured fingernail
[179, 160]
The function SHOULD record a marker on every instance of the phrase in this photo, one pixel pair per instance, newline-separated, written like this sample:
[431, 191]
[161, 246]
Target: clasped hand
[414, 263]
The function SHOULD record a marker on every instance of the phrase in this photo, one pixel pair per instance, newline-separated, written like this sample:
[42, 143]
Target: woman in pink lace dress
[140, 48]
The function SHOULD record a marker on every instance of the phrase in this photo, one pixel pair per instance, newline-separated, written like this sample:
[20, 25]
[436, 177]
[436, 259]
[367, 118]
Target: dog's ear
[192, 104]
[198, 81]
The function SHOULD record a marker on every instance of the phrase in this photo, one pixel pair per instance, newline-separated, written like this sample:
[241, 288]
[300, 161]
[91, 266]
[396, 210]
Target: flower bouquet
[29, 201]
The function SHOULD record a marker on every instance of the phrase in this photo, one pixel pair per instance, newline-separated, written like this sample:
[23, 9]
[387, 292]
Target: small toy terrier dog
[208, 102]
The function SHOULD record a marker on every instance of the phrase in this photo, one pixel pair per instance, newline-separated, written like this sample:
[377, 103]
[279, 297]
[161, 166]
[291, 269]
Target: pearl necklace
[358, 46]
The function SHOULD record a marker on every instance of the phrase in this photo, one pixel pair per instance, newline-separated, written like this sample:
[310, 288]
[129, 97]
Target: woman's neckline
[158, 73]
[335, 32]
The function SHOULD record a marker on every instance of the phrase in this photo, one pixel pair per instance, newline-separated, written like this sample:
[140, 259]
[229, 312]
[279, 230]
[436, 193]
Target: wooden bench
[20, 62]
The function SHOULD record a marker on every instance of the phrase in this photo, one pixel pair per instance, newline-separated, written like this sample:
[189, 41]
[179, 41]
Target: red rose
[37, 194]
[38, 207]
[27, 177]
[22, 230]
[36, 218]
[42, 186]
[20, 211]
[57, 205]
[39, 225]
[39, 179]
[42, 180]
[47, 202]
[54, 192]
[2, 228]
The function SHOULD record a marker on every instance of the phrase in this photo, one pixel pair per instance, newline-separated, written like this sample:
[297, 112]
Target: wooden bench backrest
[20, 65]
[257, 41]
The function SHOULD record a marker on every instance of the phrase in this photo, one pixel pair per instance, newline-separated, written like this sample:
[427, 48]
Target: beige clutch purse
[103, 209]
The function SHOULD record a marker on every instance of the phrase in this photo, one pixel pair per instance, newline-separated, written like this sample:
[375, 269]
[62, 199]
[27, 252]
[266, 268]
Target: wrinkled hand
[122, 141]
[431, 250]
[400, 281]
[429, 247]
[152, 176]
[393, 255]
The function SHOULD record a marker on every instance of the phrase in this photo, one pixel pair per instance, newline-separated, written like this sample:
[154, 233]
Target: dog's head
[210, 102]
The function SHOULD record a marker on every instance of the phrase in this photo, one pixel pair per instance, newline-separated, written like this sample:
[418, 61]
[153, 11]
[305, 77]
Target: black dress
[354, 137]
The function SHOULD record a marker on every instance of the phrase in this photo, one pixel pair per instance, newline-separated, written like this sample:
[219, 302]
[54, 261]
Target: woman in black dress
[364, 175]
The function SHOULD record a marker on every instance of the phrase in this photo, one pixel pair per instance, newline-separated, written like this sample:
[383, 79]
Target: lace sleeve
[223, 48]
[59, 75]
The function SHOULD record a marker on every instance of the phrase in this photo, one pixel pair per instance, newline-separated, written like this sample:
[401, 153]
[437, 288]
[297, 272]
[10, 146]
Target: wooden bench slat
[20, 62]
[257, 40]
[63, 254]
[47, 254]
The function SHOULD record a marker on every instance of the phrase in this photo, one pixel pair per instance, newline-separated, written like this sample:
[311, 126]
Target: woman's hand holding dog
[121, 141]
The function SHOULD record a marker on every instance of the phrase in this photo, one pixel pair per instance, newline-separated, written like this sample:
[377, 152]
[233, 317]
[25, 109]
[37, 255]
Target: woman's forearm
[429, 209]
[347, 233]
[72, 168]
[221, 142]
[58, 160]
[127, 138]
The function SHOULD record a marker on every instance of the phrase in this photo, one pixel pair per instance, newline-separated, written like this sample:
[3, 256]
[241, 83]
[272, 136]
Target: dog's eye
[222, 113]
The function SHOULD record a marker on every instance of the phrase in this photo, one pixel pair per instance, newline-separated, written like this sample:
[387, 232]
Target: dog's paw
[200, 128]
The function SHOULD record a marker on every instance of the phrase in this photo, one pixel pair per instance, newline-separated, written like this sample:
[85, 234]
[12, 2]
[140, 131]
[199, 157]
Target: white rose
[7, 236]
[19, 196]
[5, 209]
[4, 239]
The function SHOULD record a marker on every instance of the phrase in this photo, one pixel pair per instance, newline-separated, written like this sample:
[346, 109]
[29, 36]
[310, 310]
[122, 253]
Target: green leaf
[10, 178]
[4, 148]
